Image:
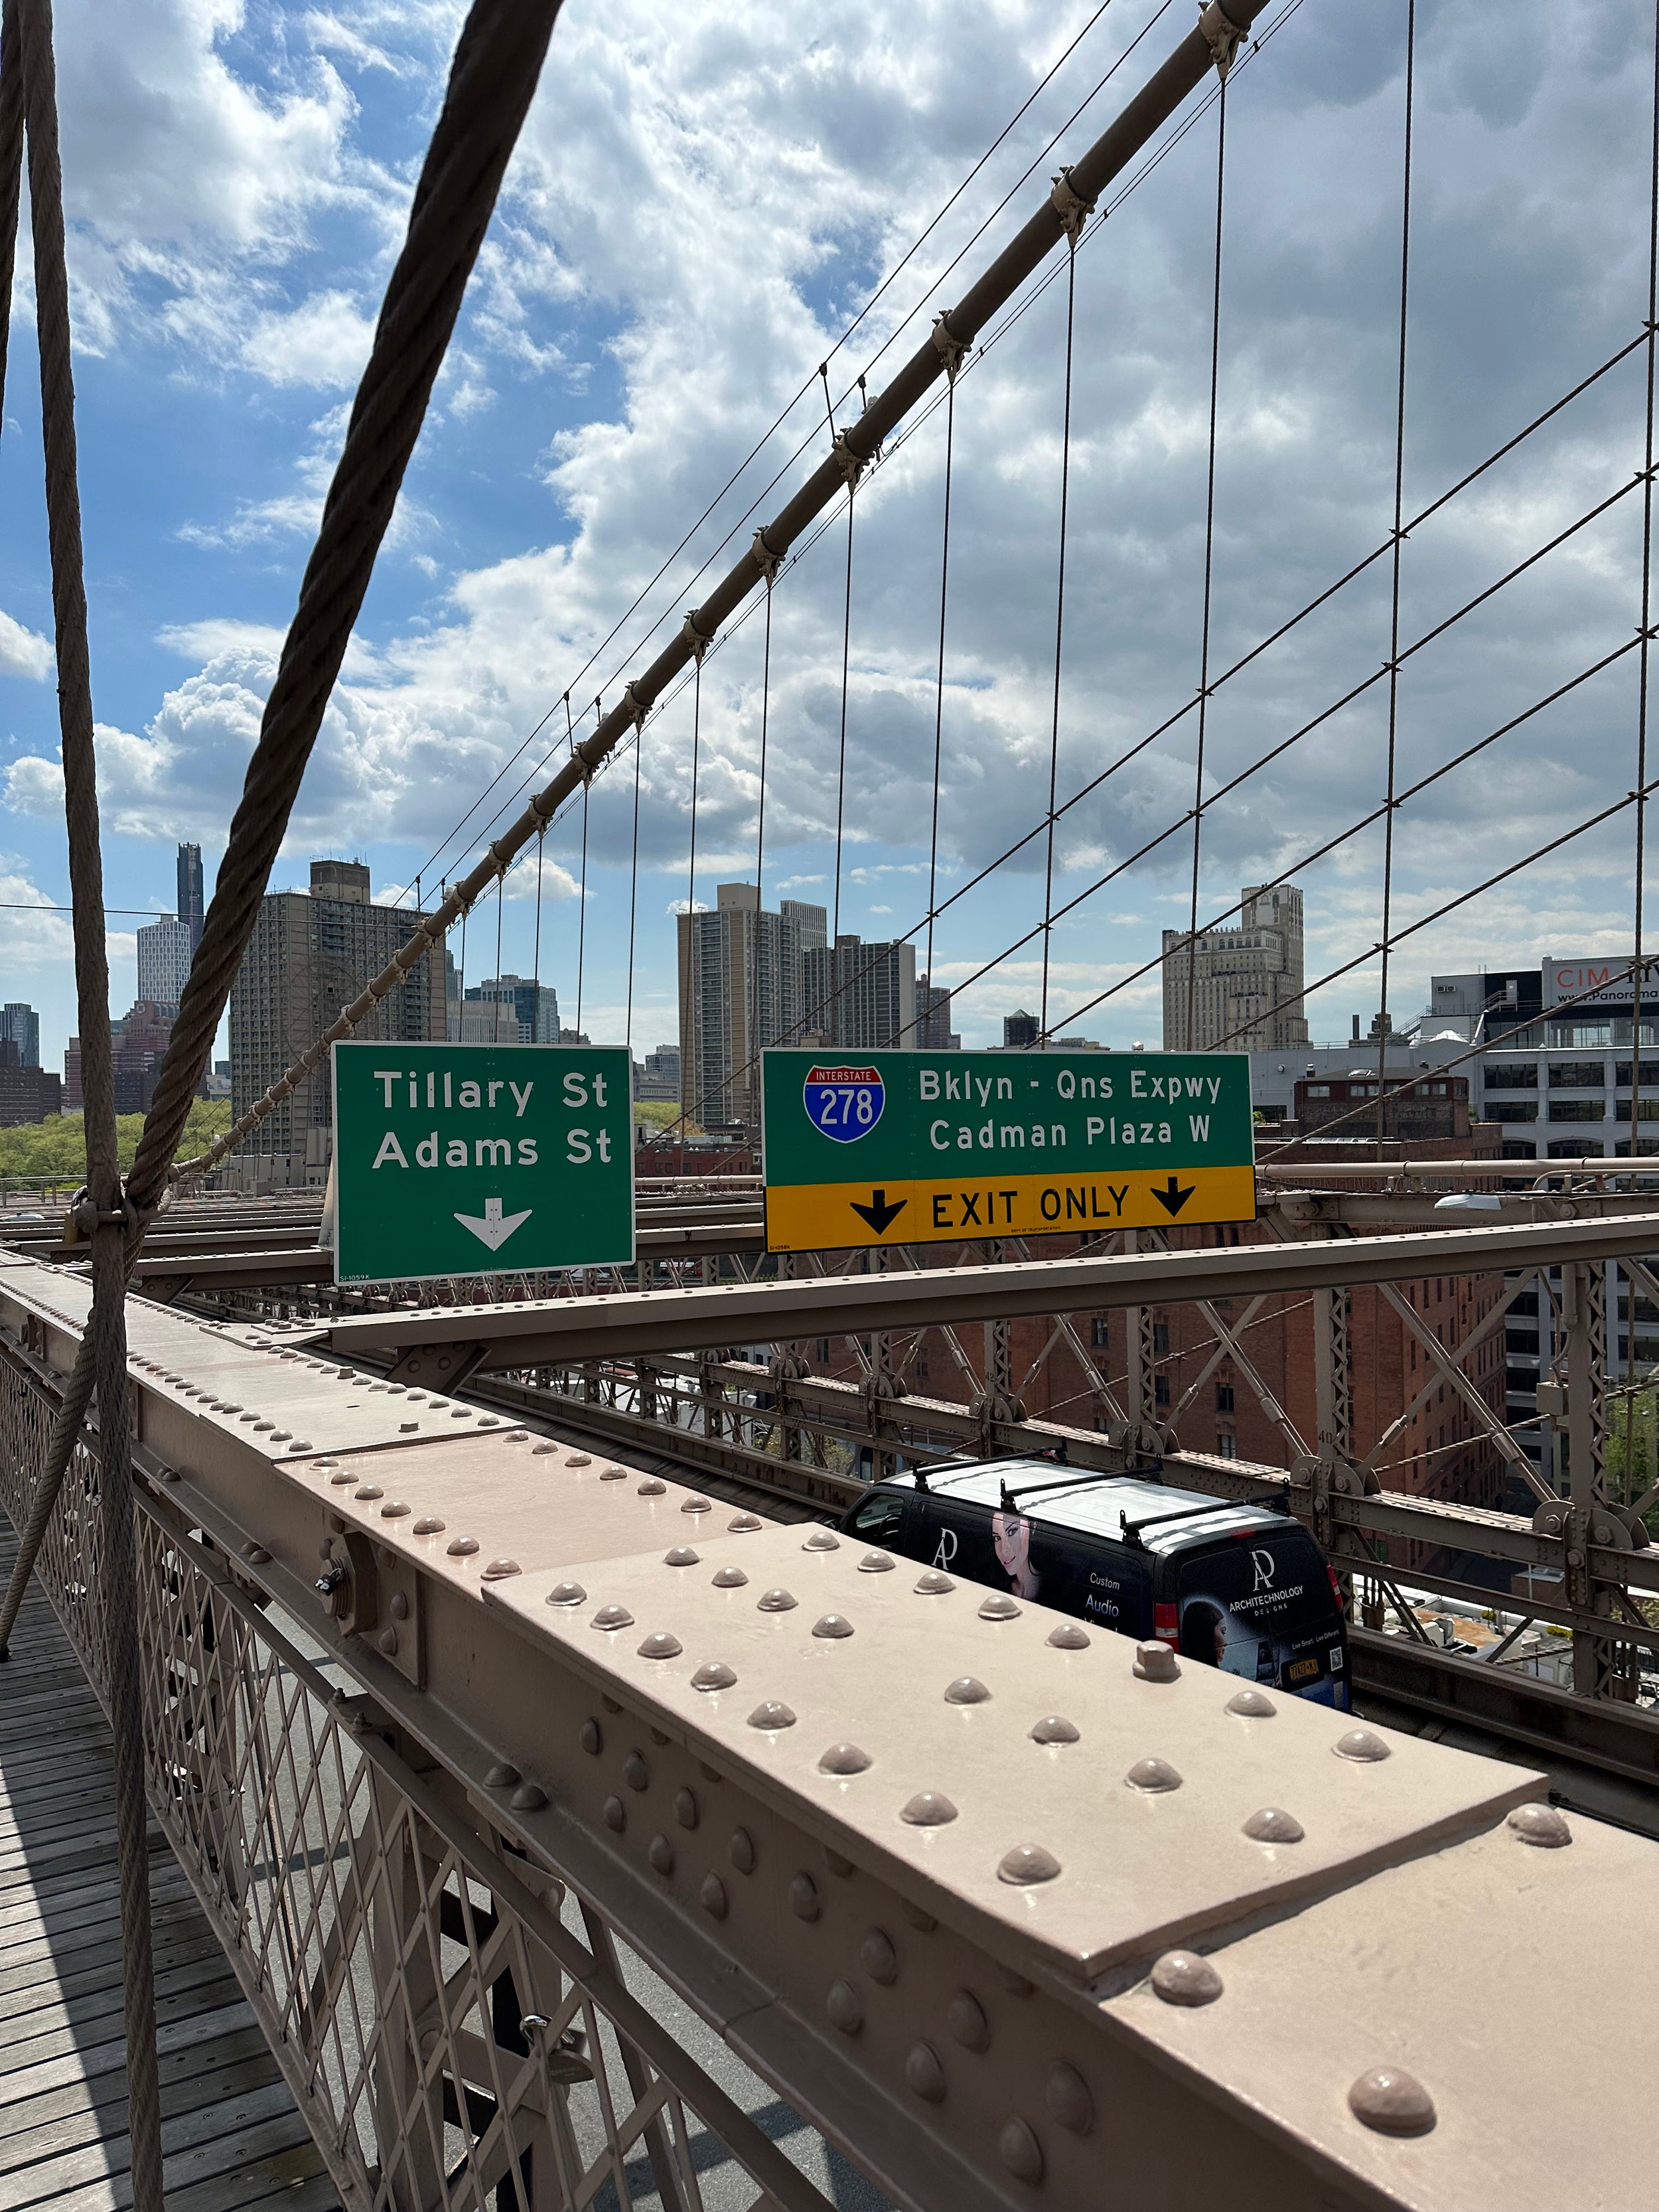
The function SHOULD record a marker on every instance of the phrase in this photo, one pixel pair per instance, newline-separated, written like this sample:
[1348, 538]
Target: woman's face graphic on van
[1011, 1533]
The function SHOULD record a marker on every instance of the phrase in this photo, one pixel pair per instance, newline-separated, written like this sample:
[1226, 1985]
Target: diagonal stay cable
[1184, 68]
[494, 75]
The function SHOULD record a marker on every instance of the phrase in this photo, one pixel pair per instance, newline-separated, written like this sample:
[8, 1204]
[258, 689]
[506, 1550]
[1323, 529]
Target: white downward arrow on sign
[495, 1228]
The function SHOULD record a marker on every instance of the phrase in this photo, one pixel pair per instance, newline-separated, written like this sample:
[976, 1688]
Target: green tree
[56, 1149]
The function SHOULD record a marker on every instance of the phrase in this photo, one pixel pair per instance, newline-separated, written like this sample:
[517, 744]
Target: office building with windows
[535, 1007]
[164, 957]
[934, 1031]
[190, 910]
[869, 991]
[740, 989]
[20, 1025]
[1240, 988]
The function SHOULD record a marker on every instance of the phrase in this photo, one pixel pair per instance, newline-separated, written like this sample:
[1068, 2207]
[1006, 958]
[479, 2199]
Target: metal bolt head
[566, 1594]
[966, 2019]
[660, 1852]
[1027, 1863]
[803, 1899]
[998, 1608]
[394, 1510]
[697, 1505]
[1273, 1826]
[1182, 1978]
[741, 1851]
[636, 1771]
[429, 1525]
[778, 1601]
[616, 1814]
[1020, 2151]
[613, 1616]
[933, 1584]
[1156, 1663]
[1054, 1728]
[685, 1807]
[712, 1897]
[966, 1690]
[822, 1541]
[681, 1556]
[461, 1548]
[845, 2008]
[844, 1759]
[527, 1798]
[661, 1645]
[650, 1487]
[591, 1737]
[606, 1474]
[1392, 2101]
[498, 1570]
[1541, 1824]
[368, 1490]
[730, 1578]
[1360, 1744]
[924, 2074]
[746, 1524]
[772, 1713]
[1067, 1638]
[875, 1563]
[1068, 2098]
[832, 1627]
[1154, 1776]
[928, 1808]
[1251, 1706]
[879, 1958]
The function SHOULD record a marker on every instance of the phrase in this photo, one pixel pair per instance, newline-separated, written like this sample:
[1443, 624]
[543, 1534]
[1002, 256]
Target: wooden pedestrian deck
[231, 2137]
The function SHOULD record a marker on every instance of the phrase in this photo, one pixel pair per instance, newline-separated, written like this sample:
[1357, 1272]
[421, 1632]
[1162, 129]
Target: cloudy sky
[704, 200]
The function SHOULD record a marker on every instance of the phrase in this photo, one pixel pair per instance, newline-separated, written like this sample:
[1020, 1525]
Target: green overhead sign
[478, 1159]
[927, 1148]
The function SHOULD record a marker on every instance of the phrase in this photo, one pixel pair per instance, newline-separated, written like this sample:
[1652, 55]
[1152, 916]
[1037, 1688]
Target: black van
[1241, 1587]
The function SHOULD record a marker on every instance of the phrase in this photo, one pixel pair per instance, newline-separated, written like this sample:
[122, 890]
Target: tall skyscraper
[164, 957]
[191, 908]
[740, 989]
[536, 1006]
[309, 957]
[866, 993]
[1245, 986]
[20, 1025]
[1018, 1030]
[934, 1031]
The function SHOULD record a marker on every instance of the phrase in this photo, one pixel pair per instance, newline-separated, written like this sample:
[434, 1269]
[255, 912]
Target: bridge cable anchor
[852, 465]
[1070, 205]
[1221, 35]
[697, 640]
[766, 561]
[950, 350]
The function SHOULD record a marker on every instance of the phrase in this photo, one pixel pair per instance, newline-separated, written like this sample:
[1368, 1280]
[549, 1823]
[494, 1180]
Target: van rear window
[1263, 1608]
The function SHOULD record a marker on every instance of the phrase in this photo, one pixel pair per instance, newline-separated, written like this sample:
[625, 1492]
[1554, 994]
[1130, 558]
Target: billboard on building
[1605, 976]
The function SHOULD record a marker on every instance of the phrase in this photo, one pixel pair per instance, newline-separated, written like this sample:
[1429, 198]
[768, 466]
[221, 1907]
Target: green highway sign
[928, 1148]
[478, 1159]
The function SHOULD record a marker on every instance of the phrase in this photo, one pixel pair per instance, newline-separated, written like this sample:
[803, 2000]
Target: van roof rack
[1131, 1530]
[1084, 1479]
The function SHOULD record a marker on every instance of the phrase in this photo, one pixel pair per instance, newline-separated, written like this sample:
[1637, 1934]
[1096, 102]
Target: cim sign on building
[1605, 977]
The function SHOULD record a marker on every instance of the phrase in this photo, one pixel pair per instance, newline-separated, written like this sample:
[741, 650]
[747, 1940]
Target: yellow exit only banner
[813, 1217]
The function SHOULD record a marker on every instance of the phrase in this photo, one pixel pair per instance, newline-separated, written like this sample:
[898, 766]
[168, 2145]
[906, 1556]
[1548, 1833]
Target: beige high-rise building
[740, 989]
[310, 956]
[1246, 983]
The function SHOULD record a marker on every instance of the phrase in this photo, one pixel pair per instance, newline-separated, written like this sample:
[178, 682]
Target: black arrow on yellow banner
[1171, 1198]
[880, 1215]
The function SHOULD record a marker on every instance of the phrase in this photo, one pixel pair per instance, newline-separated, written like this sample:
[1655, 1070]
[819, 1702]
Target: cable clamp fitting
[950, 350]
[635, 705]
[852, 465]
[697, 641]
[765, 559]
[1221, 35]
[1069, 205]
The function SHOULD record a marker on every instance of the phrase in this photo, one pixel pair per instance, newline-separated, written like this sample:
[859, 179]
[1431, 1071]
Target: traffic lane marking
[820, 1216]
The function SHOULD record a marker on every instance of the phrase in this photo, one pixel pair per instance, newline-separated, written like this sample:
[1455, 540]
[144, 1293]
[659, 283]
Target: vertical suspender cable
[536, 964]
[1399, 540]
[634, 896]
[1060, 627]
[1642, 670]
[1209, 574]
[696, 743]
[938, 683]
[840, 780]
[757, 1033]
[106, 1210]
[581, 917]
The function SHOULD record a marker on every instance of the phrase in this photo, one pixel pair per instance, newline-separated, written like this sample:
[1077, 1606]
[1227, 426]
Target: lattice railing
[453, 2019]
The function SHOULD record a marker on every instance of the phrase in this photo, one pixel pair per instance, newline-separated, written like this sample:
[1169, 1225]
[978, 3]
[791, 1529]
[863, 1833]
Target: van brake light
[1336, 1586]
[1166, 1624]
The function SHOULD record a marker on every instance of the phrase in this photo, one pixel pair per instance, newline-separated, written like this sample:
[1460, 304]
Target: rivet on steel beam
[933, 1584]
[697, 1505]
[772, 1713]
[498, 1570]
[255, 1554]
[652, 1488]
[875, 1563]
[1152, 1775]
[681, 1556]
[591, 1737]
[1182, 1978]
[712, 1897]
[803, 1899]
[399, 1607]
[566, 1594]
[832, 1627]
[661, 1645]
[822, 1541]
[730, 1578]
[1541, 1824]
[1361, 1744]
[1026, 1863]
[1156, 1663]
[395, 1511]
[606, 1474]
[924, 2074]
[713, 1674]
[966, 1690]
[928, 1808]
[527, 1798]
[1392, 2101]
[966, 2019]
[461, 1548]
[338, 1481]
[685, 1807]
[1252, 1705]
[368, 1490]
[636, 1771]
[778, 1601]
[542, 1448]
[502, 1776]
[1271, 1825]
[845, 2008]
[616, 1814]
[1068, 1638]
[998, 1608]
[1054, 1728]
[660, 1852]
[844, 1759]
[576, 1459]
[512, 1437]
[746, 1524]
[741, 1851]
[613, 1616]
[879, 1957]
[1068, 2098]
[1020, 2151]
